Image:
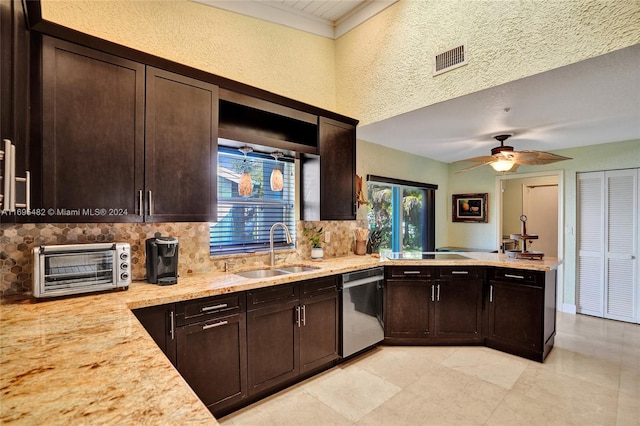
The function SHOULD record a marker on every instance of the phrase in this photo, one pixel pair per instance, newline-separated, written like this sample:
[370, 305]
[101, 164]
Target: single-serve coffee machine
[162, 260]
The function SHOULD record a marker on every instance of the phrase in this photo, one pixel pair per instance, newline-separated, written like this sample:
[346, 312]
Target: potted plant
[315, 238]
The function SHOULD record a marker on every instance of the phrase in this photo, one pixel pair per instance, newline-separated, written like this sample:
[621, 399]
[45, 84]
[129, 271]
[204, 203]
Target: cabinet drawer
[516, 275]
[210, 307]
[318, 286]
[264, 297]
[409, 272]
[461, 272]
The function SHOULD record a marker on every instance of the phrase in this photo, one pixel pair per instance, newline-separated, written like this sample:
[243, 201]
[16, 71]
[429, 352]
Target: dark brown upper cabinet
[181, 145]
[328, 179]
[122, 142]
[92, 135]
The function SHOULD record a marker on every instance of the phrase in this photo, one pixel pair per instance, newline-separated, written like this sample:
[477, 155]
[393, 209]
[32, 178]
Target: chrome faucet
[289, 240]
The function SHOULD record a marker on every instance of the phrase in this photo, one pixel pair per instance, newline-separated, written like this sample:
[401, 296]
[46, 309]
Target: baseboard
[569, 308]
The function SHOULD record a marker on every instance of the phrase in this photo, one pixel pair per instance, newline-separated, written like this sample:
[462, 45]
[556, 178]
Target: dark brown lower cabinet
[408, 309]
[458, 305]
[521, 312]
[293, 331]
[157, 320]
[211, 356]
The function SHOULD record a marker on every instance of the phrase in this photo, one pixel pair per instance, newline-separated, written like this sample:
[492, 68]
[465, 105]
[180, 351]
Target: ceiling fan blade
[535, 158]
[475, 166]
[482, 159]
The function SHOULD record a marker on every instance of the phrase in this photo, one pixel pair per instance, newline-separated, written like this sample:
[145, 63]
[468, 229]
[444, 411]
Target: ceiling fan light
[245, 185]
[502, 165]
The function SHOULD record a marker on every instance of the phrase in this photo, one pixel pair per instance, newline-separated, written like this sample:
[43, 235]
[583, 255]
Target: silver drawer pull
[460, 272]
[218, 324]
[211, 308]
[411, 272]
[520, 277]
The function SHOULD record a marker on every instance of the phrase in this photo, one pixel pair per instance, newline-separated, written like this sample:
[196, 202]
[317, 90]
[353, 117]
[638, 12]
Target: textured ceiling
[590, 102]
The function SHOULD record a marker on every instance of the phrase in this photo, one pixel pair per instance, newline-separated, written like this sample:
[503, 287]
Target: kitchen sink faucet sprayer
[272, 253]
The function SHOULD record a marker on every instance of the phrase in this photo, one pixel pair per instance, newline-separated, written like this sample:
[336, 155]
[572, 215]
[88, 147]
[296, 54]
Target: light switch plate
[327, 236]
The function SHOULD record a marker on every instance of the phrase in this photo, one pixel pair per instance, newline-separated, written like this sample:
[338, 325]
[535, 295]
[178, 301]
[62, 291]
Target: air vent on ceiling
[451, 59]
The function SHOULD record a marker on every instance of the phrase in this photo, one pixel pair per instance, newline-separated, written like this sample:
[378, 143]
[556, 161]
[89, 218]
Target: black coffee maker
[162, 260]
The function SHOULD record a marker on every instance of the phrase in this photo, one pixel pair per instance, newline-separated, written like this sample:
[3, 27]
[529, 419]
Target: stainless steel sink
[294, 269]
[266, 273]
[261, 273]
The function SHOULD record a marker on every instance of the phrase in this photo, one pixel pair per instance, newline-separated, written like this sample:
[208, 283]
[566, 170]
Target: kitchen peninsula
[88, 359]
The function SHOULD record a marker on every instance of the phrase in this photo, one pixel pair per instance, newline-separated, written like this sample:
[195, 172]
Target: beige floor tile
[521, 410]
[352, 391]
[630, 381]
[293, 408]
[595, 329]
[593, 403]
[453, 391]
[592, 369]
[406, 409]
[493, 366]
[400, 365]
[628, 410]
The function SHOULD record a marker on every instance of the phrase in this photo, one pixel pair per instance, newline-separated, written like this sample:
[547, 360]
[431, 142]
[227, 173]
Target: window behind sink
[244, 222]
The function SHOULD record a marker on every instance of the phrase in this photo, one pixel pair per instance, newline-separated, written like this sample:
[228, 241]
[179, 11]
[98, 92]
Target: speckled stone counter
[87, 360]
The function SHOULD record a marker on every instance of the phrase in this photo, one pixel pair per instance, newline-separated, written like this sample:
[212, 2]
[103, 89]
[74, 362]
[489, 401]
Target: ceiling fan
[504, 159]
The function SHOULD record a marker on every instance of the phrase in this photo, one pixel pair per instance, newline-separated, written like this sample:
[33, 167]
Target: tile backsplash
[18, 240]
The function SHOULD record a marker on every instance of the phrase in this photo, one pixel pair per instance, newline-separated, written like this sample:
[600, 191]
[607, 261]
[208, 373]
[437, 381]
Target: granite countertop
[87, 359]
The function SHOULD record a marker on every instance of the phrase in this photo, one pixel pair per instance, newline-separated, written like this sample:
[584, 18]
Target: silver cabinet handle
[211, 308]
[7, 177]
[172, 325]
[460, 272]
[411, 272]
[298, 316]
[140, 203]
[150, 204]
[217, 324]
[304, 315]
[519, 277]
[491, 293]
[433, 295]
[438, 293]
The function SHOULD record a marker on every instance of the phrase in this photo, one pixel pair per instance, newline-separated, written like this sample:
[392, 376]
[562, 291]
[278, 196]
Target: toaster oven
[61, 270]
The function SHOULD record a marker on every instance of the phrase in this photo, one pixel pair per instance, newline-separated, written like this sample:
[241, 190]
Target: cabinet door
[515, 315]
[159, 323]
[92, 134]
[273, 345]
[212, 358]
[319, 331]
[337, 146]
[408, 309]
[180, 148]
[458, 307]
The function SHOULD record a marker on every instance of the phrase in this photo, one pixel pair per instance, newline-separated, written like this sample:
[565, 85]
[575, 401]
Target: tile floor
[591, 377]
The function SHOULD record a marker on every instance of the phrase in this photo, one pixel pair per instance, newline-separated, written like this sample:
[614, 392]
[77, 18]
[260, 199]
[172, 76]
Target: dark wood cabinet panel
[273, 345]
[521, 312]
[319, 332]
[180, 148]
[92, 133]
[211, 356]
[328, 179]
[408, 309]
[458, 309]
[157, 320]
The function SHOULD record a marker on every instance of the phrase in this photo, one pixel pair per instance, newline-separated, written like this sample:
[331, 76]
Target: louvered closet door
[621, 267]
[590, 268]
[607, 270]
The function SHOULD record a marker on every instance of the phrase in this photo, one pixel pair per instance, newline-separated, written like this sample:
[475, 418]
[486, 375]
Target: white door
[607, 269]
[540, 205]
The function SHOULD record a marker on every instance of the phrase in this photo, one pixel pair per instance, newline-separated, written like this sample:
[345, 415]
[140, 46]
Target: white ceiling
[590, 102]
[328, 18]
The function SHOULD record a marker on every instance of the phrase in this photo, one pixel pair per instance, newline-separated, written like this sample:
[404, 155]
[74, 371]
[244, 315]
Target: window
[404, 212]
[244, 222]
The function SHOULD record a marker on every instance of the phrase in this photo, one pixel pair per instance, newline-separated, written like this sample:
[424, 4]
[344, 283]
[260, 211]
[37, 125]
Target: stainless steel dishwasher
[362, 310]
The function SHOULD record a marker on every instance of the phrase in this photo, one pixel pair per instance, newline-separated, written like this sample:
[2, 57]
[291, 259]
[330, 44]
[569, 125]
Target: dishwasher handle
[362, 281]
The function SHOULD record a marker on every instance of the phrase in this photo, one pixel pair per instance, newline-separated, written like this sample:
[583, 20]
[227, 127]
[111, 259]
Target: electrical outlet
[327, 236]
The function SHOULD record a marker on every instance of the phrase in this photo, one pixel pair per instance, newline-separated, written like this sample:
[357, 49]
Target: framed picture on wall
[469, 208]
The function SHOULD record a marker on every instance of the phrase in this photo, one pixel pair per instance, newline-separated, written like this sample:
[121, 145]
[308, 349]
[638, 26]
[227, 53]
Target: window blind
[244, 223]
